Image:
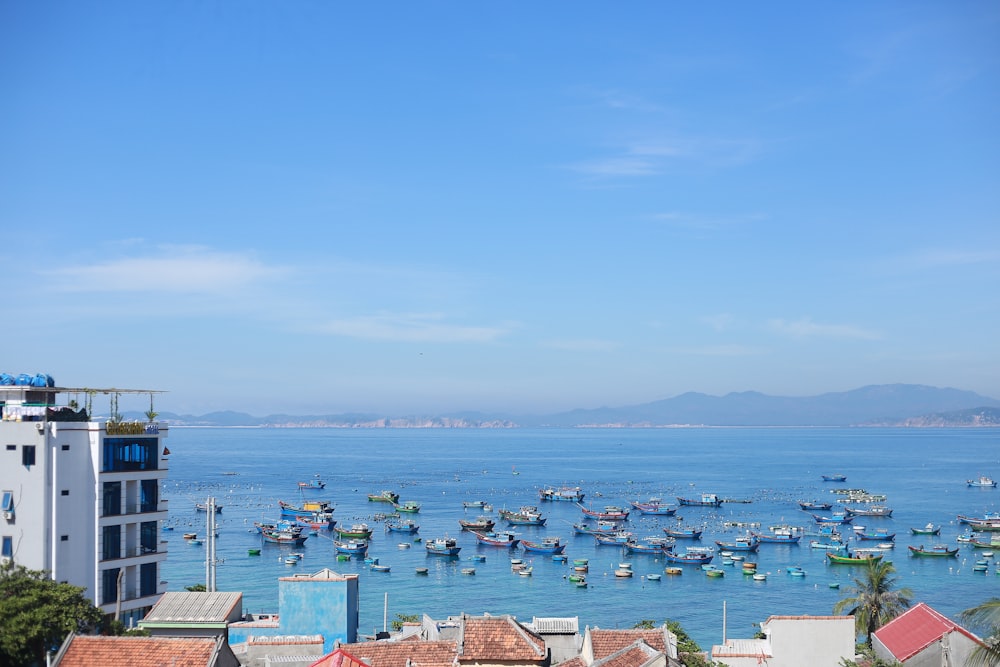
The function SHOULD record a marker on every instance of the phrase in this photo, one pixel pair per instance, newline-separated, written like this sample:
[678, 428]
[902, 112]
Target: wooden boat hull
[943, 552]
[852, 560]
[684, 533]
[543, 548]
[687, 559]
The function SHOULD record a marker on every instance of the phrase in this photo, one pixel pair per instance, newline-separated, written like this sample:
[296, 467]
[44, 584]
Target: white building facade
[82, 499]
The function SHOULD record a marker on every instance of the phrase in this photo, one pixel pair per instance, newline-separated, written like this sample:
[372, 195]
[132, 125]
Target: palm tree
[874, 599]
[986, 615]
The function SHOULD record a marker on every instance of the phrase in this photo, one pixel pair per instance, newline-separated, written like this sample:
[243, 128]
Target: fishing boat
[468, 570]
[777, 538]
[284, 537]
[571, 494]
[602, 528]
[359, 531]
[873, 510]
[653, 507]
[617, 539]
[477, 504]
[684, 533]
[409, 506]
[376, 567]
[312, 484]
[988, 523]
[253, 552]
[479, 524]
[936, 550]
[815, 506]
[401, 526]
[834, 478]
[748, 543]
[499, 539]
[310, 508]
[833, 518]
[829, 546]
[705, 500]
[689, 558]
[384, 497]
[652, 545]
[202, 507]
[854, 558]
[351, 547]
[547, 545]
[442, 546]
[979, 544]
[526, 516]
[982, 482]
[880, 535]
[929, 529]
[609, 513]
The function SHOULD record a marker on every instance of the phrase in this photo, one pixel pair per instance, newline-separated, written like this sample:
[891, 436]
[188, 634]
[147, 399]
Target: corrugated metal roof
[193, 607]
[556, 626]
[742, 648]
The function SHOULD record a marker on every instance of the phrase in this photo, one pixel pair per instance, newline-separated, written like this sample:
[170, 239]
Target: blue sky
[427, 207]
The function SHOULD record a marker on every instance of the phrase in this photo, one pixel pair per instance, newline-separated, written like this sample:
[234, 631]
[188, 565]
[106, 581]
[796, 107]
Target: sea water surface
[922, 472]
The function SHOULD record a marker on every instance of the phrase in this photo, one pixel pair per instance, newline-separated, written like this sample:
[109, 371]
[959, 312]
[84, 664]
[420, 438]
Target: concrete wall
[327, 607]
[817, 641]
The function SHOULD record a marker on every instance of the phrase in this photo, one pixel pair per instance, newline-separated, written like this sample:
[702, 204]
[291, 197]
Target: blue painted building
[324, 603]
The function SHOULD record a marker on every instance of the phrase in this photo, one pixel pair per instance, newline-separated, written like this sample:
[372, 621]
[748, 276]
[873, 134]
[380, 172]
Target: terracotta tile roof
[636, 655]
[85, 651]
[572, 662]
[499, 639]
[914, 630]
[606, 642]
[402, 653]
[339, 658]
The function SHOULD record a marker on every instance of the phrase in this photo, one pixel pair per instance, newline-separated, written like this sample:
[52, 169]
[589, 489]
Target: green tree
[37, 613]
[874, 599]
[397, 623]
[986, 619]
[196, 588]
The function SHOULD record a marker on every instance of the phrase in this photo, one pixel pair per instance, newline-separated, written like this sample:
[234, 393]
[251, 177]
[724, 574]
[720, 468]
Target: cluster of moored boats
[833, 530]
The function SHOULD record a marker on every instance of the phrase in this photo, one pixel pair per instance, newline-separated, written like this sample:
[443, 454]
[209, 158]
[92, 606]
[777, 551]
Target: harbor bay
[761, 475]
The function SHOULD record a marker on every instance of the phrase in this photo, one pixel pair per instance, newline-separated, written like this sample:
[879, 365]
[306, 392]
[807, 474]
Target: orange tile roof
[85, 651]
[402, 653]
[499, 638]
[572, 662]
[606, 642]
[634, 656]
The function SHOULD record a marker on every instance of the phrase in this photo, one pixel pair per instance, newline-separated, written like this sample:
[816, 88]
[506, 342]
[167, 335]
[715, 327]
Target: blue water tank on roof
[6, 379]
[42, 380]
[23, 380]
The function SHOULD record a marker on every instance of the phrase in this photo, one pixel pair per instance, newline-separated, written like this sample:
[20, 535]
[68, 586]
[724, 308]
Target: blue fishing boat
[834, 478]
[618, 538]
[548, 545]
[651, 545]
[526, 516]
[442, 546]
[880, 535]
[310, 508]
[833, 518]
[609, 513]
[983, 482]
[777, 538]
[689, 558]
[351, 547]
[401, 526]
[654, 507]
[748, 543]
[815, 506]
[684, 533]
[873, 510]
[315, 484]
[602, 528]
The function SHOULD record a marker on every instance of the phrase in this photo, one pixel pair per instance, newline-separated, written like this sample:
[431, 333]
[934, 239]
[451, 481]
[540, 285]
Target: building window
[28, 455]
[7, 505]
[64, 538]
[149, 491]
[8, 547]
[109, 585]
[112, 497]
[11, 448]
[65, 448]
[112, 538]
[65, 492]
[147, 579]
[148, 536]
[130, 454]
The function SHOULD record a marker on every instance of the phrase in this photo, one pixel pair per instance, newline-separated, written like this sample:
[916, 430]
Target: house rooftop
[916, 629]
[88, 651]
[194, 607]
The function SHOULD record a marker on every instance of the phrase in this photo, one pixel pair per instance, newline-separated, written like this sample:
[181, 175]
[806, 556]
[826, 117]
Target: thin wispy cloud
[648, 158]
[730, 350]
[178, 270]
[582, 345]
[806, 328]
[937, 258]
[720, 322]
[413, 328]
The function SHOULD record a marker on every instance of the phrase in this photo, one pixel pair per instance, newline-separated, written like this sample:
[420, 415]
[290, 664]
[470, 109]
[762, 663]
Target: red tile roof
[499, 639]
[916, 629]
[339, 658]
[606, 642]
[85, 651]
[572, 662]
[402, 653]
[636, 655]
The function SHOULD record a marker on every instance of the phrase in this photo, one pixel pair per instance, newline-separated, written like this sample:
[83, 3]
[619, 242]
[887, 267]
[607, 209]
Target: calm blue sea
[921, 471]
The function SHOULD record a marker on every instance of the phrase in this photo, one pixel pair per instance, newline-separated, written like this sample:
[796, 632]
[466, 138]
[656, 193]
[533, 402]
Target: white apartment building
[81, 498]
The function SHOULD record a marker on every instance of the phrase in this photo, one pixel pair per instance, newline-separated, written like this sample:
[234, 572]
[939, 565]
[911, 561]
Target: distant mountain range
[875, 405]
